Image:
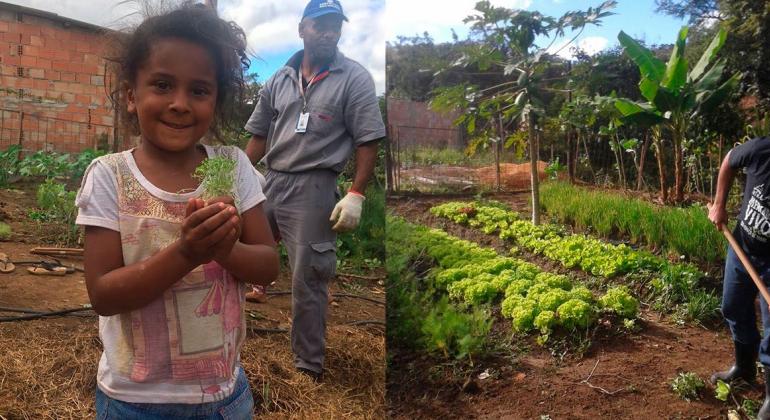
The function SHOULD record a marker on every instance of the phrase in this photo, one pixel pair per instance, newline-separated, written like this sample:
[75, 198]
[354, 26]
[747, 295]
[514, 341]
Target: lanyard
[322, 73]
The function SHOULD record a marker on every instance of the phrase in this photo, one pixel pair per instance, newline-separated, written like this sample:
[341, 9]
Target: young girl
[164, 269]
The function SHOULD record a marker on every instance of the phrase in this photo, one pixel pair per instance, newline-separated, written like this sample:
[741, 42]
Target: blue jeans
[738, 308]
[238, 406]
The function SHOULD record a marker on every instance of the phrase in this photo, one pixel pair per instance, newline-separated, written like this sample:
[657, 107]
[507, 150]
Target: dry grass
[48, 371]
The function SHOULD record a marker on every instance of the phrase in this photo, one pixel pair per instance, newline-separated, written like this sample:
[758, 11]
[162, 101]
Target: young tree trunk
[570, 157]
[534, 179]
[642, 156]
[618, 160]
[582, 137]
[388, 165]
[498, 146]
[622, 163]
[657, 141]
[678, 170]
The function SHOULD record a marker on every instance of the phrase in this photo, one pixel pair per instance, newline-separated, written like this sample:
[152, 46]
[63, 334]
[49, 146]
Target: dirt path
[635, 368]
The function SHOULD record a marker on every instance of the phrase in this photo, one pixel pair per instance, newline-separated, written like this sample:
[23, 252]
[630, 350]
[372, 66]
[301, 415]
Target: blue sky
[271, 25]
[405, 17]
[635, 17]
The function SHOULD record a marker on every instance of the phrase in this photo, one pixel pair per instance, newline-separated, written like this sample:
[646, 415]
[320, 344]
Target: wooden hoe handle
[747, 264]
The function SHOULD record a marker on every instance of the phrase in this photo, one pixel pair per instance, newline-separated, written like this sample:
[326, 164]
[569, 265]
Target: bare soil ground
[48, 366]
[513, 177]
[618, 376]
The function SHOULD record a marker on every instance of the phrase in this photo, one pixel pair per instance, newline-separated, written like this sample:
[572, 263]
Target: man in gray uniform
[311, 115]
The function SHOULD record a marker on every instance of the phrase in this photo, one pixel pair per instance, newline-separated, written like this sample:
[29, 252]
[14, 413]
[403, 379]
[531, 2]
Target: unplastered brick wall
[415, 124]
[52, 83]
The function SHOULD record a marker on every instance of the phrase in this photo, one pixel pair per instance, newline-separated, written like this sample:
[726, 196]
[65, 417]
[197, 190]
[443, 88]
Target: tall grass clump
[685, 231]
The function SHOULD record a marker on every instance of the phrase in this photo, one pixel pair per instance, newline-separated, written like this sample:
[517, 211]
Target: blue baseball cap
[317, 8]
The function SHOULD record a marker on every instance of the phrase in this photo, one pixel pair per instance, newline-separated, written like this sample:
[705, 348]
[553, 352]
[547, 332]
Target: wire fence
[433, 160]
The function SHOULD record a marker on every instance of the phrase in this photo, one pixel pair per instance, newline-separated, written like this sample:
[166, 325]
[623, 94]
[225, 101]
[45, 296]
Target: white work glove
[349, 212]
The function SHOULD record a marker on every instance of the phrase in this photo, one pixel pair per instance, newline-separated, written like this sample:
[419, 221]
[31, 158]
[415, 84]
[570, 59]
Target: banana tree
[504, 44]
[675, 96]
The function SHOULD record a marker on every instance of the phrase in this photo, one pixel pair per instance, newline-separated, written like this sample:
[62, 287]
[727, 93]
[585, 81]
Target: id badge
[302, 122]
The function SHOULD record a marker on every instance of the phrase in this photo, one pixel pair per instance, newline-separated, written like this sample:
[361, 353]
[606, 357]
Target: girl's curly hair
[225, 41]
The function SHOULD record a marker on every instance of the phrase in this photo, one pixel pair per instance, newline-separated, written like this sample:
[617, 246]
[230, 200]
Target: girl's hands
[226, 245]
[209, 231]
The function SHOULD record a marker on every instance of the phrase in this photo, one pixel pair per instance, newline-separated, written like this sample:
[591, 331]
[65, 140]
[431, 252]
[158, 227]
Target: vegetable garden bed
[609, 370]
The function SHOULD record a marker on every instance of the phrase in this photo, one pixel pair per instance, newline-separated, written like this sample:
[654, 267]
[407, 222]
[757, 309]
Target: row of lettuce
[668, 284]
[442, 290]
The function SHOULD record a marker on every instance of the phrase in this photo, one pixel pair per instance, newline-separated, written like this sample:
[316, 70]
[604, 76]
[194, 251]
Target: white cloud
[272, 27]
[108, 13]
[593, 44]
[413, 17]
[590, 45]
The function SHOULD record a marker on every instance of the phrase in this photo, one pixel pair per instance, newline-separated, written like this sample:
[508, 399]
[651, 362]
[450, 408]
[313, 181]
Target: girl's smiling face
[174, 95]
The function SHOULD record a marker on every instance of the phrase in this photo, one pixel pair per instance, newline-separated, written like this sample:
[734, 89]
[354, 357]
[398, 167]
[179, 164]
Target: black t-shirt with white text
[753, 228]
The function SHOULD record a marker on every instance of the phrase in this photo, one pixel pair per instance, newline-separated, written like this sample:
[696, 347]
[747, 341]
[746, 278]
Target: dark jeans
[738, 305]
[238, 406]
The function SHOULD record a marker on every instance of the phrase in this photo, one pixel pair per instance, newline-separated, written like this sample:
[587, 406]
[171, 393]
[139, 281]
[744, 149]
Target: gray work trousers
[298, 208]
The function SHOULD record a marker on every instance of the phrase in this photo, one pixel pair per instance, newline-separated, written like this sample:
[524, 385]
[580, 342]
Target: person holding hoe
[310, 117]
[752, 236]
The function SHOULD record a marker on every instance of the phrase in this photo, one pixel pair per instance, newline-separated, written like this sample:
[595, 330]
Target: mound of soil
[513, 176]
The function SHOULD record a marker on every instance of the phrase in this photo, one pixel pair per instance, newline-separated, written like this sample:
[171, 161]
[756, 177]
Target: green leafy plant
[58, 211]
[45, 164]
[418, 316]
[217, 176]
[554, 168]
[701, 306]
[5, 231]
[619, 300]
[575, 313]
[453, 332]
[9, 163]
[670, 283]
[687, 385]
[722, 390]
[750, 407]
[78, 167]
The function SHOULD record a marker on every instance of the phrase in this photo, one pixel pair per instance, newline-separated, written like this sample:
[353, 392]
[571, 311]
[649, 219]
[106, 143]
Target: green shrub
[9, 163]
[5, 232]
[58, 211]
[687, 385]
[451, 331]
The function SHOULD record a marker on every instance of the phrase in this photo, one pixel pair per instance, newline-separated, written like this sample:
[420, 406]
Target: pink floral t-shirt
[184, 346]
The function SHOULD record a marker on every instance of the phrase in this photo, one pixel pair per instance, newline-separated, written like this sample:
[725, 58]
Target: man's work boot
[764, 411]
[745, 366]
